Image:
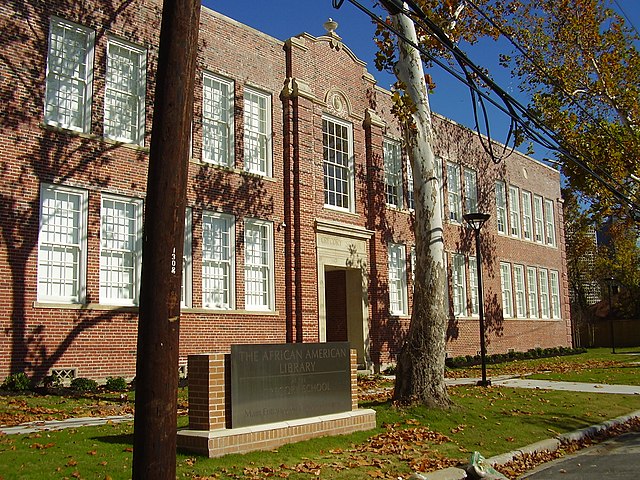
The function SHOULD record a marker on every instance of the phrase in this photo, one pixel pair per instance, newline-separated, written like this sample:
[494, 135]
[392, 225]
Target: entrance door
[344, 318]
[335, 294]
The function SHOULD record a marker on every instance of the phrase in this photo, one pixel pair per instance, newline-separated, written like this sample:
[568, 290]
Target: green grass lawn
[490, 420]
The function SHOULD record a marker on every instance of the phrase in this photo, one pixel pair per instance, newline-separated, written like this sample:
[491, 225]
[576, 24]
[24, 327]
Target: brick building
[299, 215]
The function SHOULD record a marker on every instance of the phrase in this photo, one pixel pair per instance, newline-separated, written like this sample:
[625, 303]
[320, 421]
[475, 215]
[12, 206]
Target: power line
[624, 14]
[534, 127]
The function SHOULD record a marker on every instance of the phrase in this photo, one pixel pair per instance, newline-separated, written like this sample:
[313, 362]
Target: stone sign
[276, 382]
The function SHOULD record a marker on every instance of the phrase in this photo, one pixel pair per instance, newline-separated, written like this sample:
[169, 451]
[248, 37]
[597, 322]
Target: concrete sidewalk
[523, 382]
[42, 426]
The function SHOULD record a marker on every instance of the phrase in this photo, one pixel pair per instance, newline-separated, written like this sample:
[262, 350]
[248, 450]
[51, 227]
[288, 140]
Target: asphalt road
[615, 459]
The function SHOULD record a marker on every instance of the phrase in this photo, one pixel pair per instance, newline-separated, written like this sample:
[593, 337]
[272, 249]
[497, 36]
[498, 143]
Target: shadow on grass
[118, 439]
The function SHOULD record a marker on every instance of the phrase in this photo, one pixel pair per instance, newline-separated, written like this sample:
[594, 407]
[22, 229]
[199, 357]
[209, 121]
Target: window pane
[69, 68]
[501, 207]
[455, 199]
[527, 220]
[124, 93]
[518, 276]
[120, 232]
[507, 292]
[258, 269]
[470, 191]
[393, 173]
[61, 242]
[217, 260]
[458, 286]
[217, 120]
[514, 211]
[397, 280]
[550, 227]
[257, 132]
[532, 286]
[338, 176]
[544, 292]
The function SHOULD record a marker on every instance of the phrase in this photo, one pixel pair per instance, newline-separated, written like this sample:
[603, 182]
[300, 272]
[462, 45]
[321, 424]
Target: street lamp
[610, 281]
[476, 221]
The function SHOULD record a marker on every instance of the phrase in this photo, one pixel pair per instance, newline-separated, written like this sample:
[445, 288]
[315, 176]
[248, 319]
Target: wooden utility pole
[154, 446]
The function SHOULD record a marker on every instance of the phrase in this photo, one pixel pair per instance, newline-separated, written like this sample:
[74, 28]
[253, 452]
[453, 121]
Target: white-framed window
[459, 286]
[69, 76]
[514, 211]
[501, 207]
[439, 165]
[543, 280]
[532, 290]
[397, 279]
[258, 265]
[186, 288]
[412, 256]
[470, 191]
[257, 132]
[554, 280]
[120, 250]
[124, 95]
[455, 192]
[507, 291]
[521, 299]
[337, 143]
[62, 244]
[218, 260]
[410, 197]
[538, 221]
[473, 285]
[550, 224]
[392, 154]
[217, 120]
[527, 217]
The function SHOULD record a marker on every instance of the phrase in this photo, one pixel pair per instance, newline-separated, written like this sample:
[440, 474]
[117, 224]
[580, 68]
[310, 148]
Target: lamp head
[476, 219]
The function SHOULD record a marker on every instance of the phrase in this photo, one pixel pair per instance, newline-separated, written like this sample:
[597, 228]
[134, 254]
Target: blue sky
[286, 18]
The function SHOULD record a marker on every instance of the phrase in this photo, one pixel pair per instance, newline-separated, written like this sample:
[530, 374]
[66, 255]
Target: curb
[550, 445]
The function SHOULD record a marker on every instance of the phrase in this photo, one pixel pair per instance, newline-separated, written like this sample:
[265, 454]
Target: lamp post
[476, 221]
[610, 281]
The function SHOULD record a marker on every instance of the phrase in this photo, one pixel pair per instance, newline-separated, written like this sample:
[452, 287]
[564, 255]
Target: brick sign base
[209, 431]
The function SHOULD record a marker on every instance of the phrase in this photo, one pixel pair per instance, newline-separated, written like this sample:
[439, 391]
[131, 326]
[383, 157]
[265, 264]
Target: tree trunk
[420, 368]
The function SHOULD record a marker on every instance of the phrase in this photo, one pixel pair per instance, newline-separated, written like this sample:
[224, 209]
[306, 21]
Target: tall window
[397, 279]
[514, 211]
[337, 160]
[527, 218]
[543, 278]
[410, 198]
[438, 167]
[555, 293]
[217, 120]
[257, 132]
[124, 94]
[521, 301]
[218, 260]
[538, 219]
[455, 197]
[532, 287]
[258, 265]
[120, 250]
[473, 284]
[501, 207]
[393, 173]
[507, 291]
[69, 76]
[62, 247]
[470, 191]
[186, 288]
[458, 286]
[550, 226]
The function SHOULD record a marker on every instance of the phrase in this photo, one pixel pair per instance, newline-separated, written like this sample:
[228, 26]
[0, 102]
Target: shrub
[16, 382]
[116, 384]
[84, 385]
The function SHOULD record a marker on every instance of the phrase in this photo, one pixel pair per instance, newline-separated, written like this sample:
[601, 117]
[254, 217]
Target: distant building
[299, 218]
